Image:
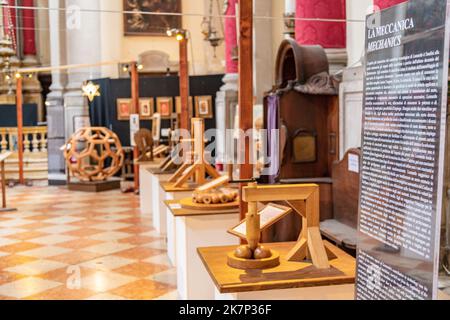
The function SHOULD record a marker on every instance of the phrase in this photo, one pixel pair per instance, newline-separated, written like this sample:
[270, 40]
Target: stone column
[330, 35]
[55, 99]
[83, 47]
[227, 97]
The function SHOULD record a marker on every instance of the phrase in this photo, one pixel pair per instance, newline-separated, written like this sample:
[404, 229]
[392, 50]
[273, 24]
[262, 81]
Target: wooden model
[197, 168]
[304, 199]
[3, 157]
[213, 196]
[94, 154]
[144, 142]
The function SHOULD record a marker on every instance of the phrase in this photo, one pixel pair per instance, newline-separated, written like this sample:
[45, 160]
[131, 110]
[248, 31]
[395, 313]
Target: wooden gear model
[94, 154]
[304, 199]
[198, 167]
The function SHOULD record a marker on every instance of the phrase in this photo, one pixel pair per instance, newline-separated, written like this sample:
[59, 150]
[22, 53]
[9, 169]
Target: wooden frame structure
[304, 199]
[3, 157]
[198, 167]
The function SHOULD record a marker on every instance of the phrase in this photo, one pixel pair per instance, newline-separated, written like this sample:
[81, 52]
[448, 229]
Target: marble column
[55, 99]
[83, 46]
[227, 97]
[330, 35]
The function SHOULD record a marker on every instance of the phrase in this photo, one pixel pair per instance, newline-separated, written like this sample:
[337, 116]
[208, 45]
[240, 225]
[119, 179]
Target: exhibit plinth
[167, 221]
[146, 169]
[94, 186]
[300, 278]
[158, 207]
[197, 228]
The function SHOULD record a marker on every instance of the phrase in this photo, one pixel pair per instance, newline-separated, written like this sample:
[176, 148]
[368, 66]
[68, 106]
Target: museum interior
[224, 150]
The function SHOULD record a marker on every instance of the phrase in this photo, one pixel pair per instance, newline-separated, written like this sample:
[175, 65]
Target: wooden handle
[253, 223]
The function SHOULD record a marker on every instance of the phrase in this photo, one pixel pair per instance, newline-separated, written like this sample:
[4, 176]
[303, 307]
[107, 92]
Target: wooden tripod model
[304, 199]
[198, 167]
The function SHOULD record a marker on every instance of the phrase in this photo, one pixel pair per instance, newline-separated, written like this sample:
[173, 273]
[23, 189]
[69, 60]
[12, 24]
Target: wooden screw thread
[253, 224]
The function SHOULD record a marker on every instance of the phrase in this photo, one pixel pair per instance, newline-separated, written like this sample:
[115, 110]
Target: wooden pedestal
[168, 192]
[287, 275]
[95, 186]
[196, 229]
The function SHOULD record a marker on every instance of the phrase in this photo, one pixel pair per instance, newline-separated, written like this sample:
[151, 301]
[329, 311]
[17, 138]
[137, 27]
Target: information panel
[404, 127]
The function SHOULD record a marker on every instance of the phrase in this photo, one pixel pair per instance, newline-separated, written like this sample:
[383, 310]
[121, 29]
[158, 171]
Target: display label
[402, 166]
[134, 127]
[353, 163]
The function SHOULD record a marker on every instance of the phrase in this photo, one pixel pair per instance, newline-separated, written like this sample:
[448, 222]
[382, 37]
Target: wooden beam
[19, 106]
[245, 88]
[186, 113]
[135, 105]
[280, 193]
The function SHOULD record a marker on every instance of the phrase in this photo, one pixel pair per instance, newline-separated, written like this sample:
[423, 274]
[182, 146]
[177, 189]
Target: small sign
[353, 163]
[271, 214]
[134, 127]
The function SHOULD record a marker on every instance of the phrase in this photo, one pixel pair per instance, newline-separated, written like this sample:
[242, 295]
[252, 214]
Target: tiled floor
[73, 245]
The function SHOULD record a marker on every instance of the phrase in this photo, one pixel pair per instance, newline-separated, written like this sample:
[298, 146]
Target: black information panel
[405, 103]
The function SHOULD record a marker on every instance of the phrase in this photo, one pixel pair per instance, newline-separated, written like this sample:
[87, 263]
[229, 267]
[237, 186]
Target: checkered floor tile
[63, 245]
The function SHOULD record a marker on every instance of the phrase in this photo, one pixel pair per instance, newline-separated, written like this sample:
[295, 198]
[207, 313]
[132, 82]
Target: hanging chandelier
[209, 31]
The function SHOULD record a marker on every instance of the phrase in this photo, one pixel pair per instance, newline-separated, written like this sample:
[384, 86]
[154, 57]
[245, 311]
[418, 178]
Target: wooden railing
[35, 152]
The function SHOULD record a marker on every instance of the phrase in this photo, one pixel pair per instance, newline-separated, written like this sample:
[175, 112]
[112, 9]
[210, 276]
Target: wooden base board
[7, 210]
[187, 203]
[94, 186]
[287, 275]
[254, 264]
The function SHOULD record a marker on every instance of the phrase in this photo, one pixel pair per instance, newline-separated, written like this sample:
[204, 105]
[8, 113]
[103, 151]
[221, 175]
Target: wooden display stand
[193, 229]
[198, 168]
[3, 157]
[94, 186]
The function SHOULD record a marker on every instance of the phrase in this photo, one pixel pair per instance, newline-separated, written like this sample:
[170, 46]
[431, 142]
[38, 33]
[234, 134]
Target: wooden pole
[135, 105]
[19, 105]
[3, 185]
[186, 113]
[245, 88]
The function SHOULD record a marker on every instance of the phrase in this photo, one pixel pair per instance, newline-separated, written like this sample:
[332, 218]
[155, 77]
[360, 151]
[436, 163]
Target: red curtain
[383, 4]
[329, 34]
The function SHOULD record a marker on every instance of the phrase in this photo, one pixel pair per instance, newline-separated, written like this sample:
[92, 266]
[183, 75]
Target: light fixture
[180, 34]
[91, 90]
[125, 68]
[140, 67]
[18, 75]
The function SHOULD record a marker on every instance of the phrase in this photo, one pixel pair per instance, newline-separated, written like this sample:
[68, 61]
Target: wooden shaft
[245, 87]
[184, 85]
[253, 224]
[3, 185]
[20, 128]
[135, 103]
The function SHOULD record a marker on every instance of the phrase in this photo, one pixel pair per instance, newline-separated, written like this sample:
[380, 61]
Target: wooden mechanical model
[213, 195]
[144, 142]
[304, 199]
[93, 154]
[196, 166]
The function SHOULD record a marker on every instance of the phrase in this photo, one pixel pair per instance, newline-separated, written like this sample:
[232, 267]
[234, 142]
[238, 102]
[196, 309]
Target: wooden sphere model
[94, 154]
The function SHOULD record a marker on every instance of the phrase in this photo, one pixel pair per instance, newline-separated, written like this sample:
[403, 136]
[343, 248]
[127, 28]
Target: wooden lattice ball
[94, 154]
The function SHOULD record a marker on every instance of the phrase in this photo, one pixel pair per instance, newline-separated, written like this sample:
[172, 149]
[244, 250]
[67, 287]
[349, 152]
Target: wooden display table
[193, 229]
[146, 168]
[3, 157]
[290, 280]
[166, 220]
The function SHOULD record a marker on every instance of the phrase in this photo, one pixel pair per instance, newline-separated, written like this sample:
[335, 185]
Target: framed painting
[156, 127]
[178, 104]
[146, 107]
[138, 23]
[124, 109]
[203, 107]
[164, 106]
